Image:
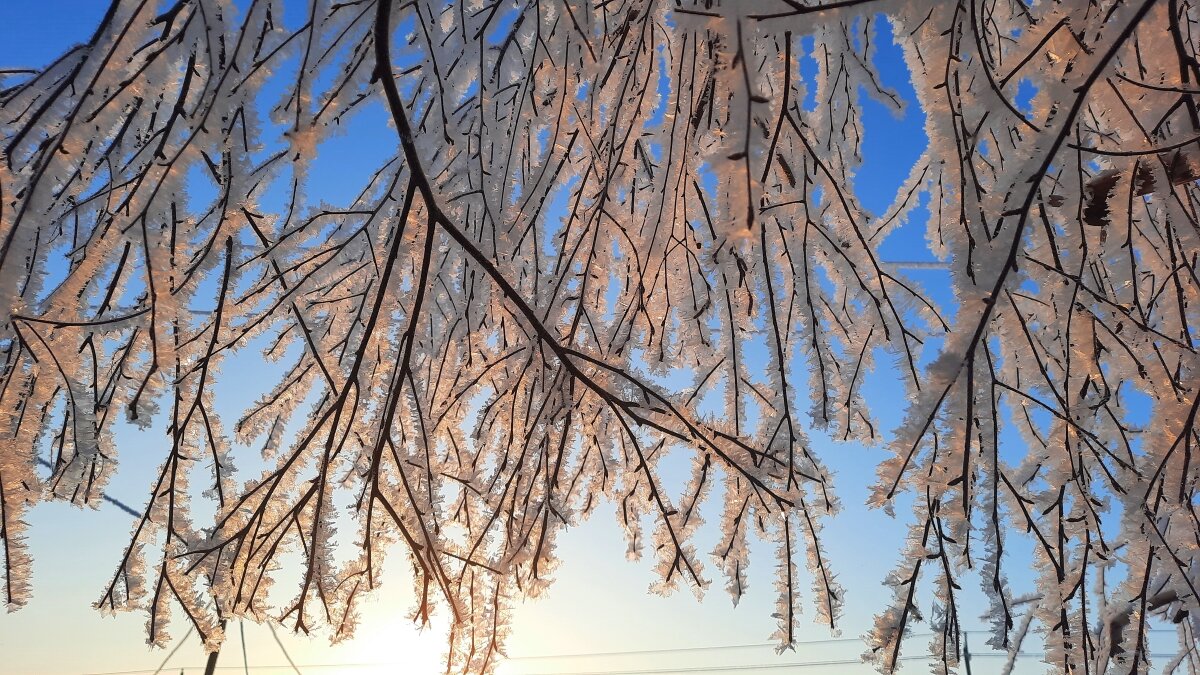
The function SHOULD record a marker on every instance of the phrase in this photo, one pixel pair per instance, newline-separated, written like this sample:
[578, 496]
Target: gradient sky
[599, 603]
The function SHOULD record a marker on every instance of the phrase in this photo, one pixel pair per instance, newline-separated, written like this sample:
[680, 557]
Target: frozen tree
[587, 198]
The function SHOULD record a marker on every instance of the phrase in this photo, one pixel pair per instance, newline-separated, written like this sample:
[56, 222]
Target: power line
[176, 648]
[634, 671]
[647, 652]
[317, 666]
[665, 650]
[736, 667]
[916, 264]
[791, 664]
[242, 630]
[285, 653]
[103, 495]
[701, 648]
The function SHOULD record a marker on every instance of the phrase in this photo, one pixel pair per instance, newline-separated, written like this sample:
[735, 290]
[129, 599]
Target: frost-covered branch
[579, 206]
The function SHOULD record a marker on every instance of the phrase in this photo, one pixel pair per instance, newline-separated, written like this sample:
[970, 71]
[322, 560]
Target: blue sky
[599, 603]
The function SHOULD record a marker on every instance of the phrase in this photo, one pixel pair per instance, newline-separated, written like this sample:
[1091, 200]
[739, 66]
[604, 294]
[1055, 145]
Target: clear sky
[599, 604]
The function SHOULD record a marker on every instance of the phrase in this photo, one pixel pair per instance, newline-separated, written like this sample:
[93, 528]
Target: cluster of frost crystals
[1061, 169]
[585, 198]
